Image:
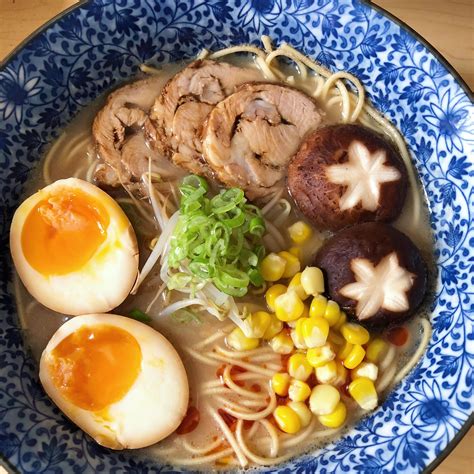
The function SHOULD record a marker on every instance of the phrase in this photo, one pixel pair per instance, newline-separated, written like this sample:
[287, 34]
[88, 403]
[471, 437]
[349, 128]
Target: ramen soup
[226, 264]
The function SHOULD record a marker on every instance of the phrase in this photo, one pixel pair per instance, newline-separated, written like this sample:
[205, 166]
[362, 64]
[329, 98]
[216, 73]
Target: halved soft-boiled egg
[118, 379]
[74, 248]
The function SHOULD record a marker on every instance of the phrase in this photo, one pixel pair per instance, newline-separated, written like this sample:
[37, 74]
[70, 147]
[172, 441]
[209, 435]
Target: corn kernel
[299, 391]
[282, 343]
[355, 357]
[296, 251]
[342, 320]
[294, 323]
[344, 350]
[376, 349]
[312, 280]
[365, 369]
[299, 232]
[336, 418]
[288, 306]
[273, 267]
[292, 264]
[303, 412]
[225, 461]
[273, 328]
[281, 383]
[318, 356]
[332, 313]
[304, 314]
[287, 420]
[297, 335]
[295, 285]
[324, 399]
[240, 342]
[355, 333]
[272, 293]
[318, 306]
[299, 367]
[315, 331]
[327, 373]
[335, 338]
[341, 376]
[256, 324]
[362, 390]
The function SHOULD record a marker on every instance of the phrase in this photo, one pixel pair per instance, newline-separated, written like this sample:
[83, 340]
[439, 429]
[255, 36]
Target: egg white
[104, 281]
[153, 407]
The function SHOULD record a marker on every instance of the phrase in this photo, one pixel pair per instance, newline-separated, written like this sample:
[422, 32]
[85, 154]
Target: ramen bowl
[95, 46]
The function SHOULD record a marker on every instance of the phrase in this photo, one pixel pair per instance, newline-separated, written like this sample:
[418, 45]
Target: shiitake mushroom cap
[319, 199]
[372, 242]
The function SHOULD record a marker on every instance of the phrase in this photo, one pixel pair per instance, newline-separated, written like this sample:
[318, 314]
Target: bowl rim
[469, 423]
[421, 39]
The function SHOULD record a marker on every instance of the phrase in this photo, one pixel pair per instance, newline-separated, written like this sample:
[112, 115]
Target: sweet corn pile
[332, 362]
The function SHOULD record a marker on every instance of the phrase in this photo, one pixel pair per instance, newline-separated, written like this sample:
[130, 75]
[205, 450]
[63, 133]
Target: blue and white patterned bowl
[95, 46]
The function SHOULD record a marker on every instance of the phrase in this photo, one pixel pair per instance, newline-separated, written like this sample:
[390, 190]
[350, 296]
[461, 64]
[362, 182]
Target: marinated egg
[118, 379]
[74, 248]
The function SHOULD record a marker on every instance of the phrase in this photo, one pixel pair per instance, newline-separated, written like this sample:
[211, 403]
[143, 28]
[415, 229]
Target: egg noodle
[68, 151]
[261, 443]
[243, 405]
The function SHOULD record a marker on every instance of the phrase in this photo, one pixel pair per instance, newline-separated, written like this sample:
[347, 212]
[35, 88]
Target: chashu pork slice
[251, 136]
[179, 113]
[119, 132]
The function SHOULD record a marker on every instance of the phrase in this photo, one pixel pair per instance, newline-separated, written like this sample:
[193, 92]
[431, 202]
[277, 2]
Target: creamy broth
[72, 155]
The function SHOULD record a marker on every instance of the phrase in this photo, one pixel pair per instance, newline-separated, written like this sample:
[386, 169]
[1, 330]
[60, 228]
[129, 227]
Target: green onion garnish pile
[218, 238]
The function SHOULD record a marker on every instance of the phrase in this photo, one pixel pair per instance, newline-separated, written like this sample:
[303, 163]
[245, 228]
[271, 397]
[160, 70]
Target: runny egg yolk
[62, 232]
[95, 366]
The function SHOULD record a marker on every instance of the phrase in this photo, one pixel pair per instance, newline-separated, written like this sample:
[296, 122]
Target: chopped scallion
[185, 316]
[140, 316]
[219, 238]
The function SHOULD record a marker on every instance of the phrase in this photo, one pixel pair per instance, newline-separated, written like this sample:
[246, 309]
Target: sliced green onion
[257, 226]
[200, 269]
[220, 206]
[256, 277]
[218, 238]
[196, 181]
[230, 290]
[140, 316]
[231, 276]
[179, 280]
[237, 219]
[185, 316]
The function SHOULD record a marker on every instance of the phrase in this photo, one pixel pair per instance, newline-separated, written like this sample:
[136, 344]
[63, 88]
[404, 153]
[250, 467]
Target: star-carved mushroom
[384, 285]
[347, 174]
[374, 272]
[363, 175]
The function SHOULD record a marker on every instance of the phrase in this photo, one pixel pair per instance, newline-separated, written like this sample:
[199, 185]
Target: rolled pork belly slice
[119, 133]
[179, 113]
[250, 137]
